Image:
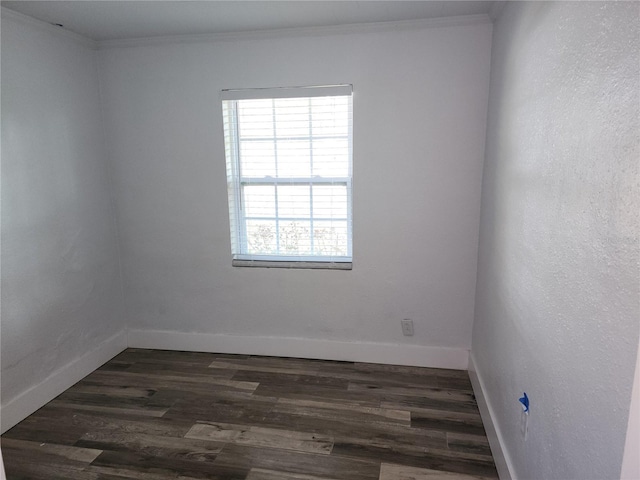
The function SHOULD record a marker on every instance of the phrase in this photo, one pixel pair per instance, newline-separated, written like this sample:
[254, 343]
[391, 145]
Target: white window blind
[289, 173]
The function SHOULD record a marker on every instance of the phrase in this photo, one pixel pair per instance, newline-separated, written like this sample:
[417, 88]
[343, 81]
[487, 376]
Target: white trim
[301, 264]
[500, 453]
[630, 460]
[48, 27]
[454, 21]
[385, 353]
[235, 162]
[3, 476]
[286, 92]
[27, 402]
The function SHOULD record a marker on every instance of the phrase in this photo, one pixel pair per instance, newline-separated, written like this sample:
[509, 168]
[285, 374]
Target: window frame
[237, 182]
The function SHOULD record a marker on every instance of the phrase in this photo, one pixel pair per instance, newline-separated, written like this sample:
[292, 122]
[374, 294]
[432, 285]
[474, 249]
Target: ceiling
[114, 20]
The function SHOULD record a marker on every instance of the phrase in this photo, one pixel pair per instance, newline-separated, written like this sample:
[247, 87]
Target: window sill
[293, 264]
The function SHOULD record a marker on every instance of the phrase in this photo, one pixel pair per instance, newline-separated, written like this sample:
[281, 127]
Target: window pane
[255, 118]
[294, 158]
[292, 117]
[330, 201]
[259, 201]
[330, 238]
[331, 157]
[293, 201]
[261, 237]
[295, 238]
[330, 116]
[257, 159]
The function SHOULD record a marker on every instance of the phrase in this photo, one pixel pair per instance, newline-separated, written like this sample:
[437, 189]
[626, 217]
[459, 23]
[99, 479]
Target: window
[289, 175]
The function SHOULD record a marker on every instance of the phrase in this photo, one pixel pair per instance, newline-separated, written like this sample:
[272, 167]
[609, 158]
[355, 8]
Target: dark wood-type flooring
[150, 414]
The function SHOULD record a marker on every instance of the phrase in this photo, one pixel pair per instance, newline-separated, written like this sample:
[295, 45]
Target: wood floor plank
[222, 407]
[73, 396]
[162, 380]
[59, 419]
[331, 466]
[273, 378]
[262, 437]
[133, 465]
[383, 433]
[427, 390]
[112, 391]
[153, 414]
[44, 433]
[153, 445]
[259, 368]
[400, 416]
[262, 474]
[178, 369]
[397, 379]
[414, 404]
[448, 421]
[331, 411]
[462, 442]
[26, 459]
[304, 363]
[120, 472]
[142, 411]
[304, 392]
[402, 472]
[66, 452]
[17, 470]
[410, 455]
[453, 383]
[385, 369]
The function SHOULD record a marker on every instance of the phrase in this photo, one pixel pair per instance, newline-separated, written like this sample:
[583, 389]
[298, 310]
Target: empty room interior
[317, 240]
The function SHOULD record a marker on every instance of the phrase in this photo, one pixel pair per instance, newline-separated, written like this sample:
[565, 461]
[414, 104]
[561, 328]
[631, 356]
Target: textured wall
[557, 303]
[420, 99]
[61, 291]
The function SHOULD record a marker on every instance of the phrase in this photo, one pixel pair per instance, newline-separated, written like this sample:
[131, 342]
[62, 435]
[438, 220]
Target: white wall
[557, 297]
[420, 98]
[61, 290]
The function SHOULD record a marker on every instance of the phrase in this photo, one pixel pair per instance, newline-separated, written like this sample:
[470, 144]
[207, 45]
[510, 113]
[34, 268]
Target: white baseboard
[386, 353]
[23, 405]
[496, 441]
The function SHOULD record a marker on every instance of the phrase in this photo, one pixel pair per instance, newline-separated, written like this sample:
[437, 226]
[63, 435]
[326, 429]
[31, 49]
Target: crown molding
[349, 29]
[7, 13]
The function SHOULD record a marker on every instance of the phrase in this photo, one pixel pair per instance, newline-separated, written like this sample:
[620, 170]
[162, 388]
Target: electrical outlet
[407, 327]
